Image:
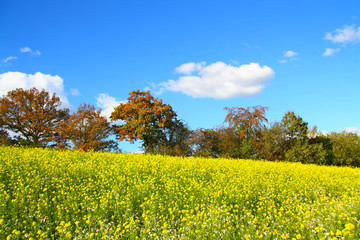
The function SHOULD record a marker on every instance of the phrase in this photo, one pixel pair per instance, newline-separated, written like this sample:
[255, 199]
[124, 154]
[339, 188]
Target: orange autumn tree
[148, 119]
[247, 124]
[87, 129]
[32, 115]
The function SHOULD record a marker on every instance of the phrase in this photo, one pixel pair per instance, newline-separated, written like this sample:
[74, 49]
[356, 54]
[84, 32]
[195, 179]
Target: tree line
[35, 118]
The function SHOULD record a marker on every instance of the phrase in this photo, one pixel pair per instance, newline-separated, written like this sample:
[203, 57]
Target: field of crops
[50, 194]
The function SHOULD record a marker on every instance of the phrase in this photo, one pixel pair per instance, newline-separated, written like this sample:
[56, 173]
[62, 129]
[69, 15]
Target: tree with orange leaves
[247, 124]
[246, 121]
[33, 115]
[87, 129]
[148, 119]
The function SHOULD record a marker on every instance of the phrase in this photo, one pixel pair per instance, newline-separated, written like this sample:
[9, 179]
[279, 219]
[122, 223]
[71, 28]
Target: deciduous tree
[247, 124]
[346, 148]
[295, 126]
[87, 129]
[246, 121]
[34, 116]
[273, 142]
[205, 142]
[148, 119]
[296, 130]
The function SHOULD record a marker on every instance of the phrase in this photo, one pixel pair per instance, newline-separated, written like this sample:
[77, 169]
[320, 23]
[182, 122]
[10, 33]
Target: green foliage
[327, 146]
[346, 148]
[33, 118]
[273, 142]
[295, 126]
[176, 140]
[304, 152]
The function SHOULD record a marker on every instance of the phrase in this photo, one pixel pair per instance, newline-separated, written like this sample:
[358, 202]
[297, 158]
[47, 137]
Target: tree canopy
[87, 129]
[148, 119]
[295, 126]
[34, 118]
[246, 121]
[33, 115]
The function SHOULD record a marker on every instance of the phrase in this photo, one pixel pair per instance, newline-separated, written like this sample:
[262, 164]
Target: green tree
[346, 148]
[295, 126]
[296, 129]
[34, 116]
[148, 119]
[273, 142]
[306, 153]
[176, 140]
[325, 141]
[87, 129]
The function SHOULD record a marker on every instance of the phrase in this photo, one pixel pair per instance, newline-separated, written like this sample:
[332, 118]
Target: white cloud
[29, 50]
[290, 54]
[9, 59]
[353, 130]
[330, 51]
[53, 84]
[107, 104]
[25, 49]
[188, 68]
[347, 34]
[220, 81]
[74, 92]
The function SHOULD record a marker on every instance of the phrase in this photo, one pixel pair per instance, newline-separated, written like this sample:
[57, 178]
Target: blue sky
[198, 56]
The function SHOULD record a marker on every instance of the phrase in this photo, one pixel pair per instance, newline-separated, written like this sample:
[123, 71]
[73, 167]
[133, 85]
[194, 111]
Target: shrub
[346, 149]
[304, 152]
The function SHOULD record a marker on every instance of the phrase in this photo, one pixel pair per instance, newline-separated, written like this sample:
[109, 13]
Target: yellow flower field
[51, 194]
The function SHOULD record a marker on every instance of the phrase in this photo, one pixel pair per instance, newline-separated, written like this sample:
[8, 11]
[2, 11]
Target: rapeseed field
[52, 194]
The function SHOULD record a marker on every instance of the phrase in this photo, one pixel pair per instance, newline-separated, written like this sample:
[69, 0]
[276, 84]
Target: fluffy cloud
[29, 50]
[53, 84]
[9, 59]
[220, 80]
[188, 68]
[347, 34]
[330, 51]
[107, 104]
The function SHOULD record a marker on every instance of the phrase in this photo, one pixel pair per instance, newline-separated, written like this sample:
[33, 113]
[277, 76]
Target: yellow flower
[349, 226]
